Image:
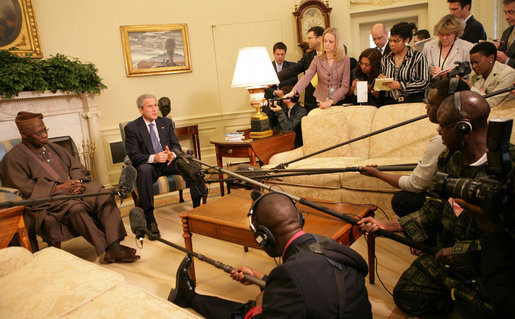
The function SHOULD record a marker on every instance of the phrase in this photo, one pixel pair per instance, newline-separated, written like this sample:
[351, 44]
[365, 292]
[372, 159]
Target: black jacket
[474, 31]
[304, 286]
[510, 52]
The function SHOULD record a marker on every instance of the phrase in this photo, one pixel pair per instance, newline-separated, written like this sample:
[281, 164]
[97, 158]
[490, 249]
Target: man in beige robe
[39, 169]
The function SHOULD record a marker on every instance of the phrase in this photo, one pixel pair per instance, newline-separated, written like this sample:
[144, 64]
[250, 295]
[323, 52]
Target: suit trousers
[213, 307]
[147, 176]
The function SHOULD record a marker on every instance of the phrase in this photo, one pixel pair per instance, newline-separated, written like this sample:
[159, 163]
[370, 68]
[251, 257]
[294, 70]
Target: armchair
[29, 220]
[172, 182]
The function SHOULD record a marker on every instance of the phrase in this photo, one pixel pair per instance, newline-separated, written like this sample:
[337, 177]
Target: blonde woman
[441, 53]
[332, 67]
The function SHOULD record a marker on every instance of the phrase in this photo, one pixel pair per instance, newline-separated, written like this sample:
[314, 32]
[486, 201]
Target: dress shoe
[184, 287]
[153, 230]
[129, 250]
[119, 256]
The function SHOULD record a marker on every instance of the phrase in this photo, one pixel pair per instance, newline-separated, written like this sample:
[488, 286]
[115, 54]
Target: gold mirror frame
[26, 41]
[141, 43]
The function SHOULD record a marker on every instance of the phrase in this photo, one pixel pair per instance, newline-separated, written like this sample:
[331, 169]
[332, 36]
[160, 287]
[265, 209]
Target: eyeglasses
[41, 132]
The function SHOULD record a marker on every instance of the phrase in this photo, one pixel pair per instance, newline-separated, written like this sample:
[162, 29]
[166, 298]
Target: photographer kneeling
[446, 284]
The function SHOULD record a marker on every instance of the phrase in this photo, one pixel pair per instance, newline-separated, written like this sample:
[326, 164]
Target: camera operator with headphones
[497, 256]
[319, 278]
[447, 284]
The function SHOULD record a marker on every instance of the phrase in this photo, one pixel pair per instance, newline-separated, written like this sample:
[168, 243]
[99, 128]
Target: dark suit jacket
[387, 49]
[304, 286]
[290, 81]
[292, 123]
[474, 31]
[510, 52]
[301, 66]
[269, 92]
[137, 139]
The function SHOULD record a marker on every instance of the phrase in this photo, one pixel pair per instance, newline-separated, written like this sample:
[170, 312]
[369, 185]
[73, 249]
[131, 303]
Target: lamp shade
[253, 69]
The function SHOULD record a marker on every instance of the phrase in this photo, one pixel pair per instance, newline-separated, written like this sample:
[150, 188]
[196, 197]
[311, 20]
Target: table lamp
[255, 72]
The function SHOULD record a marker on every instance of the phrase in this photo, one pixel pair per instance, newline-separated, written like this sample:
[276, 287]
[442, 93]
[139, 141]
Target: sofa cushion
[356, 181]
[12, 258]
[53, 284]
[322, 129]
[126, 301]
[358, 121]
[321, 180]
[405, 141]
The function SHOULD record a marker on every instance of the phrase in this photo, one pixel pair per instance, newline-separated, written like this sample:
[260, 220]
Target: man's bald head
[278, 213]
[379, 35]
[472, 107]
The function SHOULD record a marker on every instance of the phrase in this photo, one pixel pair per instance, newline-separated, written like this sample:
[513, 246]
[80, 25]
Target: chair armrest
[7, 193]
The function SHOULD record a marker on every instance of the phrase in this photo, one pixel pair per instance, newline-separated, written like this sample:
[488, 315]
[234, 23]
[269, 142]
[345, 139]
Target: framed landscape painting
[156, 49]
[18, 29]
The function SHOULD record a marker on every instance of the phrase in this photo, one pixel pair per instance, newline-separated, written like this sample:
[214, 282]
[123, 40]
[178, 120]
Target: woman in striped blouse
[407, 67]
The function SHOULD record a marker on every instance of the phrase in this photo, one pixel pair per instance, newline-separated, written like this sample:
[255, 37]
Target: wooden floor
[155, 271]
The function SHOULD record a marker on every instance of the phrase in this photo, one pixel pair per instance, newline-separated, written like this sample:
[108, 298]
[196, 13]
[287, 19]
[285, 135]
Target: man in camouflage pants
[446, 285]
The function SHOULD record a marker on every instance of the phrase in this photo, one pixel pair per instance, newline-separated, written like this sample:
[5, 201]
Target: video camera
[491, 192]
[269, 102]
[462, 69]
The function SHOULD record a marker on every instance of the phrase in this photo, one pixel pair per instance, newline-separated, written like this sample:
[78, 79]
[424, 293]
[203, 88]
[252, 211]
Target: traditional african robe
[100, 221]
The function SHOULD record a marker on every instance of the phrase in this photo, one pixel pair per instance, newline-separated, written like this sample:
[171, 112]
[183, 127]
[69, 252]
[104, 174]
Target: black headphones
[262, 235]
[463, 127]
[453, 85]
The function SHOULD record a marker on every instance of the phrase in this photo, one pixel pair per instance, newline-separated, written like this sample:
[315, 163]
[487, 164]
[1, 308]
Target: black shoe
[184, 287]
[153, 230]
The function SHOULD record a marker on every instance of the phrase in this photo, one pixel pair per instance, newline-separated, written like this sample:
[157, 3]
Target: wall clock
[309, 14]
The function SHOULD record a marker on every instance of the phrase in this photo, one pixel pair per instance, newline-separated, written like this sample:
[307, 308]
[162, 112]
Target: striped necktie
[155, 142]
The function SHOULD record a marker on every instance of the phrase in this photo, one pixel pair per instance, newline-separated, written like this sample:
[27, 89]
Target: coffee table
[226, 219]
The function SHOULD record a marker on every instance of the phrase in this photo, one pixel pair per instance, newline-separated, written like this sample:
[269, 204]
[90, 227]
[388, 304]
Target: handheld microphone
[126, 181]
[138, 223]
[255, 195]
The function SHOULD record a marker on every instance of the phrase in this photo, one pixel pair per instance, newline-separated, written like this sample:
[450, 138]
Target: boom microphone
[499, 92]
[138, 223]
[191, 171]
[126, 181]
[255, 195]
[137, 220]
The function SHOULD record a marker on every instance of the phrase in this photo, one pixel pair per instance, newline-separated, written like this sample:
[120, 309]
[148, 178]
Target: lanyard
[331, 88]
[440, 56]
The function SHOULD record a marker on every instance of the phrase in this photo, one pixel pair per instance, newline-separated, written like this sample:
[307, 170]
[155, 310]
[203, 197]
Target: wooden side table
[252, 149]
[11, 222]
[193, 131]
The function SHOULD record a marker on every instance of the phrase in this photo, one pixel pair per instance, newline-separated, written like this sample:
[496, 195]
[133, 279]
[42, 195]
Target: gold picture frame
[156, 49]
[18, 28]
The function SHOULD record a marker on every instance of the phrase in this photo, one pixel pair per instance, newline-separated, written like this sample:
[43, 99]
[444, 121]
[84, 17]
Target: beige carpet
[155, 271]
